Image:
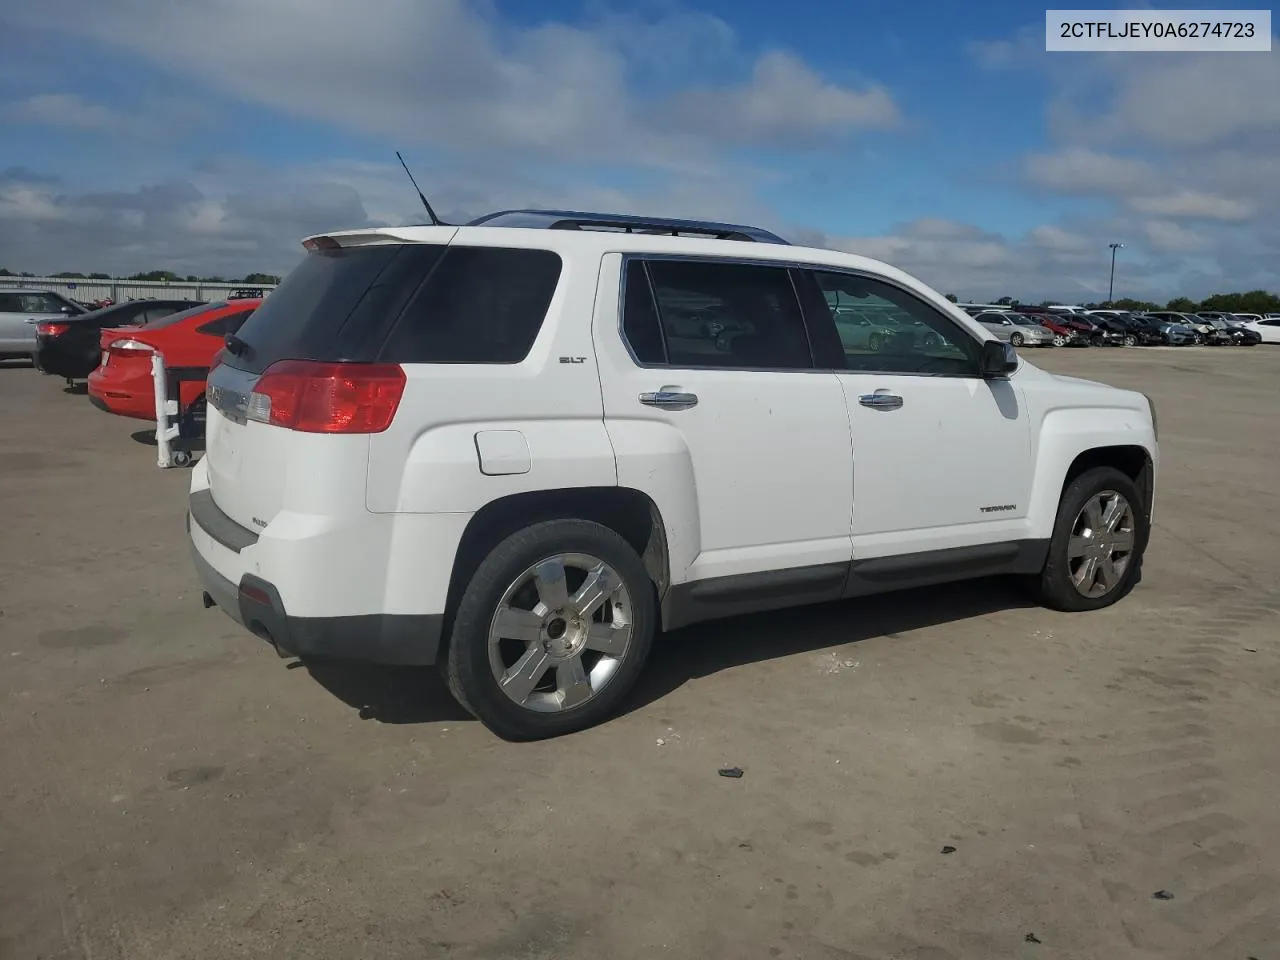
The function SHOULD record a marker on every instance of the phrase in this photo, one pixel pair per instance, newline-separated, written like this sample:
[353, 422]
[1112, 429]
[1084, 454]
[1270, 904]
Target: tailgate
[246, 470]
[257, 471]
[335, 306]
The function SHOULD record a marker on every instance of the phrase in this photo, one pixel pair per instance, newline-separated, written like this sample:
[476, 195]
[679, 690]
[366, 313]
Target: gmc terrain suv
[520, 447]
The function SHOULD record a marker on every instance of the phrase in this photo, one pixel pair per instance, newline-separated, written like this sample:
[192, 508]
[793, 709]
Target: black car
[1098, 333]
[1149, 331]
[1116, 328]
[1241, 336]
[70, 347]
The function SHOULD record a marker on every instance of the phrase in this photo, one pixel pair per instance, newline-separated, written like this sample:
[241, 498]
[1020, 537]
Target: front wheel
[1099, 536]
[1130, 340]
[552, 630]
[1016, 339]
[1059, 340]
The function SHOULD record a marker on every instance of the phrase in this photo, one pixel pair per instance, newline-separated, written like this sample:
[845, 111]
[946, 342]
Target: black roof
[625, 223]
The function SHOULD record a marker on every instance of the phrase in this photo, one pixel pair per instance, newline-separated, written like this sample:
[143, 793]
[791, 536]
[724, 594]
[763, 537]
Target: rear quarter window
[479, 305]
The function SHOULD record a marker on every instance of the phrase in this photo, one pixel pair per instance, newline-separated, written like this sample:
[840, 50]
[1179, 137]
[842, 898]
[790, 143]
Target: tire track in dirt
[1173, 825]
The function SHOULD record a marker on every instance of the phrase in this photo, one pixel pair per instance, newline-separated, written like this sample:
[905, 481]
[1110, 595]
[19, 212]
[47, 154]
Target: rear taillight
[52, 329]
[130, 348]
[313, 397]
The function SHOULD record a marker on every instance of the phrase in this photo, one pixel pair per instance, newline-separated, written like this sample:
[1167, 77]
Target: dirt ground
[170, 788]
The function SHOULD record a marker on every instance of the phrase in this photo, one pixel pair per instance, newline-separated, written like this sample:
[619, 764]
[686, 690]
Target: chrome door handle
[669, 399]
[881, 401]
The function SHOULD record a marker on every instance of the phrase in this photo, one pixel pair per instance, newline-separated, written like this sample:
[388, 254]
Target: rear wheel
[552, 630]
[1101, 531]
[1130, 340]
[1059, 340]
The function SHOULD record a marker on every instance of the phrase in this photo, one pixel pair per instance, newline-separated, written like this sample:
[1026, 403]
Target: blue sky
[939, 136]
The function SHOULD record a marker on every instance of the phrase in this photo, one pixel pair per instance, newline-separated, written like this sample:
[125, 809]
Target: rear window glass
[171, 319]
[335, 305]
[228, 323]
[480, 305]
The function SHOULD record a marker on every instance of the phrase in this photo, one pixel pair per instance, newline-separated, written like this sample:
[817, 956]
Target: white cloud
[1167, 236]
[1078, 170]
[151, 118]
[232, 217]
[784, 101]
[61, 110]
[1195, 101]
[1057, 240]
[450, 76]
[1194, 205]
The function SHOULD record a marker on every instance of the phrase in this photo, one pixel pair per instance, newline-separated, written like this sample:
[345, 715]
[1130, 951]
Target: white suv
[521, 446]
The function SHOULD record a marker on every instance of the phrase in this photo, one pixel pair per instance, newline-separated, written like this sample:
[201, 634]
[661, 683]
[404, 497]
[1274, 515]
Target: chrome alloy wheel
[1102, 542]
[560, 632]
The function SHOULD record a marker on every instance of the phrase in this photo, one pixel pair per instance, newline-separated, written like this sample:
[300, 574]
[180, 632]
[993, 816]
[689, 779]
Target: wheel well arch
[1132, 460]
[628, 512]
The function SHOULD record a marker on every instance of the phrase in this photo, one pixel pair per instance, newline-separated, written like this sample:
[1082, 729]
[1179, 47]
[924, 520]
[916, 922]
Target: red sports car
[122, 383]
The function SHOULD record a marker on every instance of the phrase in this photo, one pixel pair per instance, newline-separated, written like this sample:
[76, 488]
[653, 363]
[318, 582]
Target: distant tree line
[166, 276]
[1255, 301]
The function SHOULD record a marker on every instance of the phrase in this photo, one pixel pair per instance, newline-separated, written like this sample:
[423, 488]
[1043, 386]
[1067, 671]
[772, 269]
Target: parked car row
[111, 348]
[1077, 327]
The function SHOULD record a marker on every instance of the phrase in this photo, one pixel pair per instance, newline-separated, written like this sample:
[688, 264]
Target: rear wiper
[237, 346]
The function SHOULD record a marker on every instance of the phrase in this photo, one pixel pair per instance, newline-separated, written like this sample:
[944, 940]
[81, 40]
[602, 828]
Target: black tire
[1130, 340]
[466, 666]
[1016, 339]
[1055, 588]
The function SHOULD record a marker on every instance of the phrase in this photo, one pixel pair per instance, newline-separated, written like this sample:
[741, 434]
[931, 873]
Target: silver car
[1016, 329]
[20, 309]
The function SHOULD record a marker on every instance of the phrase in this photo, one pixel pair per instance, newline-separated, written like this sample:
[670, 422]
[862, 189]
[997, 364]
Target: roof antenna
[435, 221]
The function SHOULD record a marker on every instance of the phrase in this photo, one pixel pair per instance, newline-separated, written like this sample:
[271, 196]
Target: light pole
[1111, 287]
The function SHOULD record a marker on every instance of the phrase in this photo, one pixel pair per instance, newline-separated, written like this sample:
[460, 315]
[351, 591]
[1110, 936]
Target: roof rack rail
[624, 223]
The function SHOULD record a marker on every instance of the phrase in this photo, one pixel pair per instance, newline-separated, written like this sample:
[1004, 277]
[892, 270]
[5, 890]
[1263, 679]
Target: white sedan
[1268, 329]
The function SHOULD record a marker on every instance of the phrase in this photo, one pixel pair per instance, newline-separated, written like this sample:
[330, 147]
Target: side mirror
[999, 359]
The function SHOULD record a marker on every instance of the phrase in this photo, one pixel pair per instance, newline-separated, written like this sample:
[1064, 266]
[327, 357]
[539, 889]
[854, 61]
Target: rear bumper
[58, 360]
[122, 402]
[256, 604]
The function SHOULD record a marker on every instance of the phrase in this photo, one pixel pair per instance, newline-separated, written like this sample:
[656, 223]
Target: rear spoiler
[378, 236]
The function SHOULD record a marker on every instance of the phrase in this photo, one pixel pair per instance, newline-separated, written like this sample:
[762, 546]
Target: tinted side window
[640, 325]
[153, 313]
[729, 315]
[123, 316]
[221, 326]
[894, 332]
[479, 305]
[10, 303]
